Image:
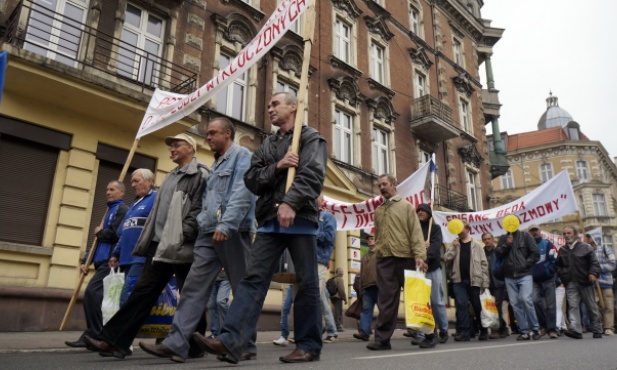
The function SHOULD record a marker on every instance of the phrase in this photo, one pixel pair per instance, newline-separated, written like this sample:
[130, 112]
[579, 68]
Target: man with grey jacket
[226, 225]
[167, 243]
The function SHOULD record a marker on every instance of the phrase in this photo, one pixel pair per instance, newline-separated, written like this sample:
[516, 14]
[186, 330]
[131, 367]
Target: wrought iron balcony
[59, 37]
[432, 120]
[451, 199]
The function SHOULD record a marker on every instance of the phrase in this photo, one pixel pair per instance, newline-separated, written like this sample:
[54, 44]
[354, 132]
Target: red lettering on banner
[364, 220]
[147, 122]
[345, 210]
[241, 59]
[169, 100]
[472, 217]
[357, 209]
[513, 209]
[539, 211]
[259, 47]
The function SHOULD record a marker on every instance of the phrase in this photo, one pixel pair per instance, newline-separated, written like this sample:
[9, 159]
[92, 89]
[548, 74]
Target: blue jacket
[107, 237]
[227, 205]
[326, 234]
[544, 269]
[606, 259]
[131, 228]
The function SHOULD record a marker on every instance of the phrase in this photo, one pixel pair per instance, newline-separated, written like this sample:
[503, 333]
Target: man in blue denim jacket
[226, 225]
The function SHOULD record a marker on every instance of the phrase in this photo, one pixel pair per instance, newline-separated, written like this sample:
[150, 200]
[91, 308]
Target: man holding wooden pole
[106, 239]
[286, 220]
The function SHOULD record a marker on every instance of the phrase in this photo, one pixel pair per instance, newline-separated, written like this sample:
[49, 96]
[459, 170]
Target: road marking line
[451, 350]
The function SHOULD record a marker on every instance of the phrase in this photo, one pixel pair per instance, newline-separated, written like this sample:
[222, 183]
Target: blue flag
[4, 58]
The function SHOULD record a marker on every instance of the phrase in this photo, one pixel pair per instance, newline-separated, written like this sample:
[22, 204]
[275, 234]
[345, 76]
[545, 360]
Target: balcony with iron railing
[432, 120]
[58, 37]
[450, 199]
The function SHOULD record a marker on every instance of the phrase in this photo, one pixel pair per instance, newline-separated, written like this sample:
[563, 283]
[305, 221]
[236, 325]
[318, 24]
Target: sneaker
[573, 334]
[523, 337]
[542, 332]
[292, 340]
[461, 338]
[553, 335]
[361, 336]
[597, 335]
[483, 336]
[536, 335]
[281, 342]
[379, 346]
[443, 337]
[330, 339]
[609, 332]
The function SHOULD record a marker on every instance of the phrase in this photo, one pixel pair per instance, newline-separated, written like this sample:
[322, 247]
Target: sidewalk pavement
[53, 341]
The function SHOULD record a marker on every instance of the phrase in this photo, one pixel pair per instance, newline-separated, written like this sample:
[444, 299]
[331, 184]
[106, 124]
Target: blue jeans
[131, 274]
[437, 301]
[545, 304]
[465, 294]
[288, 298]
[369, 300]
[218, 304]
[520, 293]
[248, 301]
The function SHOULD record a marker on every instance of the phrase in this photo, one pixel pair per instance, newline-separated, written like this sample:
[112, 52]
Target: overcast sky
[568, 47]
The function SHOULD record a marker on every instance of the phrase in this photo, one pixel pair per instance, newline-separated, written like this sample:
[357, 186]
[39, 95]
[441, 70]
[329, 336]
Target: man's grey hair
[145, 173]
[391, 178]
[289, 97]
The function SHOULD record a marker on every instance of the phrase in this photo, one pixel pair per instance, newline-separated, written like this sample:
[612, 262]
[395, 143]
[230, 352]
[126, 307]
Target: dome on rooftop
[554, 116]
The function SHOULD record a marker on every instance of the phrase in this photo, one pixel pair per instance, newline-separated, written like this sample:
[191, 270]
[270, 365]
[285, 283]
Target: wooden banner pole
[82, 276]
[309, 30]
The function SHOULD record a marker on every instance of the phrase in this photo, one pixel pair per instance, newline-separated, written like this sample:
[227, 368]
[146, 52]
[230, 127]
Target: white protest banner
[165, 107]
[557, 239]
[351, 216]
[553, 199]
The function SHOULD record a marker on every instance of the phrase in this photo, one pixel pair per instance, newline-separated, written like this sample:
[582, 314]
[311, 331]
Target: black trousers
[123, 327]
[93, 299]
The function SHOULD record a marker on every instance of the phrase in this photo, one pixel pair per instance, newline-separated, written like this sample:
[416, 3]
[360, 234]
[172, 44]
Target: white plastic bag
[489, 314]
[112, 288]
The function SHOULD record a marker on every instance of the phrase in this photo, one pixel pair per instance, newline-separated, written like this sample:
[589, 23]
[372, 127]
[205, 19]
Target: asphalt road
[562, 353]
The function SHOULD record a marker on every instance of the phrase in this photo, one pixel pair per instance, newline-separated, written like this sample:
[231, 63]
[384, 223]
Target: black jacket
[262, 181]
[520, 257]
[433, 253]
[576, 264]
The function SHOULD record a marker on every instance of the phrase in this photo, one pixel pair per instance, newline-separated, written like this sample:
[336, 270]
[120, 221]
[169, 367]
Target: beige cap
[182, 137]
[534, 226]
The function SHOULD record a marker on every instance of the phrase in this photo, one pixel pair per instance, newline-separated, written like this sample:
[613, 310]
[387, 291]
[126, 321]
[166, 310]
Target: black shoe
[461, 338]
[443, 337]
[597, 335]
[410, 333]
[483, 336]
[523, 337]
[416, 341]
[379, 346]
[572, 334]
[535, 335]
[361, 336]
[429, 342]
[76, 344]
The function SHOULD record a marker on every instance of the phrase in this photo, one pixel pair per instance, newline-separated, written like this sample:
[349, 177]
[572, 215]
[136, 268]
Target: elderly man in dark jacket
[520, 254]
[578, 270]
[286, 220]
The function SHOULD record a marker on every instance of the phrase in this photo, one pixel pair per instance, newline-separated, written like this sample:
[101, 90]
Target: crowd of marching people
[226, 226]
[539, 289]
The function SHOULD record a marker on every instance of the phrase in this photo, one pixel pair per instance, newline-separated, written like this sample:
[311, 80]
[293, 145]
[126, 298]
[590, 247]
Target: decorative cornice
[378, 26]
[345, 88]
[351, 71]
[419, 55]
[347, 6]
[462, 84]
[380, 87]
[379, 10]
[469, 154]
[382, 109]
[257, 14]
[234, 27]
